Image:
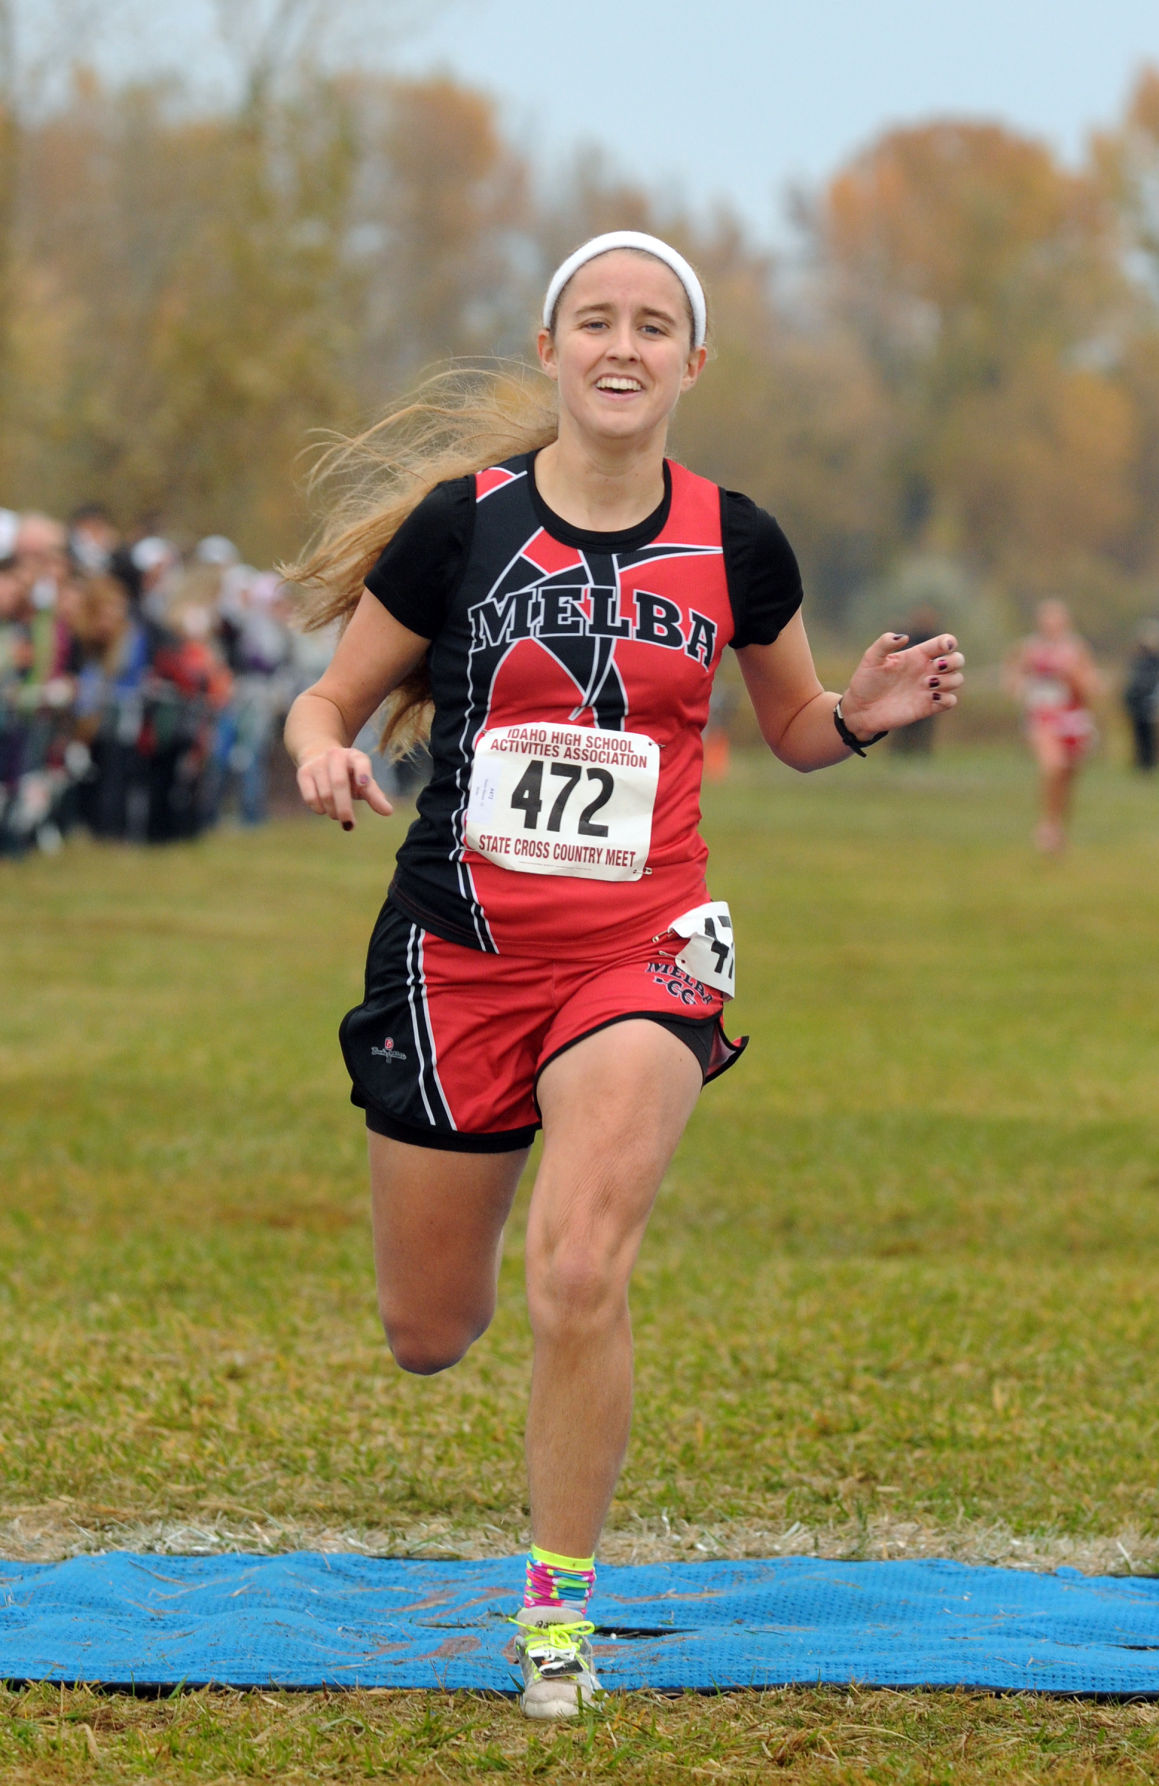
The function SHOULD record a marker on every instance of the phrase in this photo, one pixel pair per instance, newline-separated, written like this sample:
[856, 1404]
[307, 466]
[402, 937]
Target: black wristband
[860, 745]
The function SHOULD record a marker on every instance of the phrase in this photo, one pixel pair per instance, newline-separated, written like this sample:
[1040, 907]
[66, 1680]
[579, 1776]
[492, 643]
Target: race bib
[708, 955]
[562, 799]
[1046, 691]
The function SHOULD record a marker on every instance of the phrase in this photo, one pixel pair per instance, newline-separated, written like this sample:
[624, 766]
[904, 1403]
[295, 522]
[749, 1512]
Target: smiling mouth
[619, 384]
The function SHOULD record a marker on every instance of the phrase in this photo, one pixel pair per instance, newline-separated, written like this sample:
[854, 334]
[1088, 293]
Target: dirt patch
[49, 1534]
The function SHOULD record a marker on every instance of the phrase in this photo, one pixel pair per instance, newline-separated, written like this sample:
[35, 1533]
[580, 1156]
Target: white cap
[632, 238]
[216, 549]
[151, 553]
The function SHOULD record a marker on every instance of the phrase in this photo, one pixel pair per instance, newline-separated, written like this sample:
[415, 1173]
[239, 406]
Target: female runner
[1054, 676]
[548, 953]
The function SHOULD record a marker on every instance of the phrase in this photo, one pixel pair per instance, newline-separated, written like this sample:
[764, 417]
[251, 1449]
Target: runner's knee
[574, 1286]
[424, 1347]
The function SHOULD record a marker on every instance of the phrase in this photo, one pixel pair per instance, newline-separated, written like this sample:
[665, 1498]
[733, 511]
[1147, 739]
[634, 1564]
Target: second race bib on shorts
[709, 954]
[562, 799]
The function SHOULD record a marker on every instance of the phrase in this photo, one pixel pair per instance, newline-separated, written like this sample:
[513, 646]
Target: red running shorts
[447, 1045]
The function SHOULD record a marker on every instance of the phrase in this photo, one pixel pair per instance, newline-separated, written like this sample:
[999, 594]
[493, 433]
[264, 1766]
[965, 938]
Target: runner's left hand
[893, 686]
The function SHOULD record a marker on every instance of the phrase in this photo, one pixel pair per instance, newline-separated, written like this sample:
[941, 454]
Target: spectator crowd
[141, 688]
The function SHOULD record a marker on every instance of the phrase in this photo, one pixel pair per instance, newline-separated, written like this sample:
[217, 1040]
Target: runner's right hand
[333, 779]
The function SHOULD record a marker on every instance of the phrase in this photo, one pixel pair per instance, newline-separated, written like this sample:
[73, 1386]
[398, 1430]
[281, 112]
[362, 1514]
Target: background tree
[442, 217]
[961, 372]
[1127, 160]
[984, 283]
[190, 308]
[37, 38]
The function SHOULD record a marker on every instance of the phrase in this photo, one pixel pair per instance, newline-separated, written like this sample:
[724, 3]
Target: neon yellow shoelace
[555, 1636]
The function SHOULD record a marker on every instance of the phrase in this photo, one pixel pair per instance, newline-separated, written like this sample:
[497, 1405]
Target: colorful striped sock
[559, 1581]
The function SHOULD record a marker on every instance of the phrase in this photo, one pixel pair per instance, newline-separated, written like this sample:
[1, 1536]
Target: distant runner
[1053, 674]
[548, 953]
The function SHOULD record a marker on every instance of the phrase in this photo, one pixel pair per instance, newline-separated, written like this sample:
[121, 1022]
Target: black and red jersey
[532, 620]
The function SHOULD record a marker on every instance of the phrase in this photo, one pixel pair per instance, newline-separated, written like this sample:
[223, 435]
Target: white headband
[631, 238]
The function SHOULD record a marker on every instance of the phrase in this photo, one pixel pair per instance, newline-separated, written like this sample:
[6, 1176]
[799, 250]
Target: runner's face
[1053, 620]
[621, 351]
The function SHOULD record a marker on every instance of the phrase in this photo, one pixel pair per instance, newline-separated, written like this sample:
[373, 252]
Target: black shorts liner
[445, 1140]
[703, 1035]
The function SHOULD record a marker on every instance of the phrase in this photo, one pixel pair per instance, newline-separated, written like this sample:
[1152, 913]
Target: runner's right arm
[375, 653]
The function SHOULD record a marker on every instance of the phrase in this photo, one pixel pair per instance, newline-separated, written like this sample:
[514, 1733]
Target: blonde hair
[459, 421]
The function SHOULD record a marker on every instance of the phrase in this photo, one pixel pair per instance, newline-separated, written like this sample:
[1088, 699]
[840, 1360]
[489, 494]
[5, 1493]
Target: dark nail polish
[943, 665]
[937, 697]
[934, 683]
[348, 824]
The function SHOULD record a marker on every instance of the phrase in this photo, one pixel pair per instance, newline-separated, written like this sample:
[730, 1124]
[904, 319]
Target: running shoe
[555, 1658]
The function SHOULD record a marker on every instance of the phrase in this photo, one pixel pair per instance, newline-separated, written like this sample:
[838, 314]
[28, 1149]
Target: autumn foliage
[959, 370]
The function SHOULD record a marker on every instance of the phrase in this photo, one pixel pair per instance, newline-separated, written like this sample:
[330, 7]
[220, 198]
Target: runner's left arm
[892, 687]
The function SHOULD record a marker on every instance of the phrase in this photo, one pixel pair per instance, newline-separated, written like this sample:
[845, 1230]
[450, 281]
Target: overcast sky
[741, 98]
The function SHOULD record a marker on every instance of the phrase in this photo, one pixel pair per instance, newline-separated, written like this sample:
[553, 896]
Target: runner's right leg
[1055, 775]
[438, 1231]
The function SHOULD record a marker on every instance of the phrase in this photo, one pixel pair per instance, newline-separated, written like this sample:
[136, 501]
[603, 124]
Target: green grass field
[899, 1295]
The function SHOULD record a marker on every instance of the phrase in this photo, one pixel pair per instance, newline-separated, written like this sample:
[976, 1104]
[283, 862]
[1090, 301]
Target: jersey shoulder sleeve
[417, 574]
[764, 578]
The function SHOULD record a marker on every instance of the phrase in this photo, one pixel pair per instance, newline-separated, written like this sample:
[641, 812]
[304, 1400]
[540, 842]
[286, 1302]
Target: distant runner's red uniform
[1052, 701]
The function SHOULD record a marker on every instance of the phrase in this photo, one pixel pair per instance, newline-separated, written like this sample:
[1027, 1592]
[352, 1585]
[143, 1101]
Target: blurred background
[229, 226]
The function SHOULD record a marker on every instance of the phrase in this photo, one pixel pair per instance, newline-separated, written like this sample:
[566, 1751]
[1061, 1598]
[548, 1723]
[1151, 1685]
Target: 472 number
[529, 798]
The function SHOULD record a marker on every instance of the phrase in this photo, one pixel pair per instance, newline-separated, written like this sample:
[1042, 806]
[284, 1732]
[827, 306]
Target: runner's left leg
[614, 1107]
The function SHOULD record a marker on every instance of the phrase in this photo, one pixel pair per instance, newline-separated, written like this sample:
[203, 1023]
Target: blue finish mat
[350, 1621]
